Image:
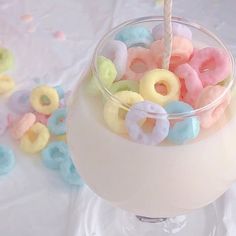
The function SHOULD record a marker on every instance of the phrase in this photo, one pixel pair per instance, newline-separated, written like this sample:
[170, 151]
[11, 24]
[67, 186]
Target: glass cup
[162, 181]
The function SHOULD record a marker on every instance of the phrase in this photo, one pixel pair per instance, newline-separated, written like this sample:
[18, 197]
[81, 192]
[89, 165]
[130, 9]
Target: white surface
[34, 200]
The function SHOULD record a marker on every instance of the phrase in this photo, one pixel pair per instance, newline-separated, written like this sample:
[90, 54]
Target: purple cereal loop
[116, 51]
[19, 102]
[138, 112]
[178, 30]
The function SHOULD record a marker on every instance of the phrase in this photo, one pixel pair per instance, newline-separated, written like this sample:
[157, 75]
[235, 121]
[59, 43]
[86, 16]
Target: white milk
[154, 181]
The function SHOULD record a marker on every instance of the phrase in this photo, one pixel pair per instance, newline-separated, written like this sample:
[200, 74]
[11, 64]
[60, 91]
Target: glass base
[99, 218]
[151, 220]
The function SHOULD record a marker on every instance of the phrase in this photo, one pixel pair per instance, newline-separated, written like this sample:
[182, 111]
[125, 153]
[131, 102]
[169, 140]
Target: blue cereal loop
[54, 154]
[185, 130]
[135, 36]
[57, 122]
[69, 173]
[7, 160]
[60, 91]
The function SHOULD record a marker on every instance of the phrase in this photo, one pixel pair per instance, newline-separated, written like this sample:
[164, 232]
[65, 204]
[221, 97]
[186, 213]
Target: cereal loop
[54, 154]
[135, 36]
[6, 60]
[7, 160]
[6, 84]
[35, 139]
[139, 112]
[57, 122]
[208, 95]
[69, 173]
[116, 51]
[44, 99]
[125, 85]
[211, 64]
[182, 49]
[139, 61]
[185, 130]
[114, 114]
[106, 75]
[19, 102]
[191, 81]
[160, 77]
[178, 30]
[20, 127]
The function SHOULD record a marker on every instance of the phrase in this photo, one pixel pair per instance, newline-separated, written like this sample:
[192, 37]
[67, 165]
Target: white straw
[167, 34]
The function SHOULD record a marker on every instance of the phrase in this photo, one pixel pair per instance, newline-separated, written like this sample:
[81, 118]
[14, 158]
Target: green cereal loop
[6, 60]
[106, 71]
[125, 85]
[107, 74]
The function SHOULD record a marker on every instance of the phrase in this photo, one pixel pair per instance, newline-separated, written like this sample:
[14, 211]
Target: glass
[97, 217]
[161, 181]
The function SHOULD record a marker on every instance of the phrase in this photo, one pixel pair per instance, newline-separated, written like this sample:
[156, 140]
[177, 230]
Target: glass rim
[182, 21]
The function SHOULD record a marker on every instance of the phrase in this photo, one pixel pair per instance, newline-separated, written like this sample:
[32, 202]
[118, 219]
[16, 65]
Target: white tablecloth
[34, 200]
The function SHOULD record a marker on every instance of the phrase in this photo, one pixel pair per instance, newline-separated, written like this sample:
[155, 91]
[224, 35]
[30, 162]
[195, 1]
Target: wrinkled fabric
[34, 200]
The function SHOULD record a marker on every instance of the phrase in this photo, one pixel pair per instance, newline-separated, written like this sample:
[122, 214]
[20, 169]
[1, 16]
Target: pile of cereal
[129, 66]
[38, 123]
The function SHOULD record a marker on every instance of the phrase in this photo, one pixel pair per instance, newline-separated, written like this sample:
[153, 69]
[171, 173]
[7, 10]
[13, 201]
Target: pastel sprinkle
[31, 29]
[27, 18]
[60, 35]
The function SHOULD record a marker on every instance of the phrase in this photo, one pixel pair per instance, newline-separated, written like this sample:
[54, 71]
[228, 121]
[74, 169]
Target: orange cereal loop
[140, 60]
[182, 49]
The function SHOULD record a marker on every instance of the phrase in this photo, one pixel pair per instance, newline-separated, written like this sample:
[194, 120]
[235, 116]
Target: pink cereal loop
[182, 50]
[20, 127]
[41, 118]
[135, 55]
[211, 64]
[208, 95]
[192, 82]
[194, 52]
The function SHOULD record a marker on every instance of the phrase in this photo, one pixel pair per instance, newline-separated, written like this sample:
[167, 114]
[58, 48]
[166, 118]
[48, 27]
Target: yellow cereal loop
[114, 114]
[44, 99]
[35, 139]
[6, 84]
[151, 79]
